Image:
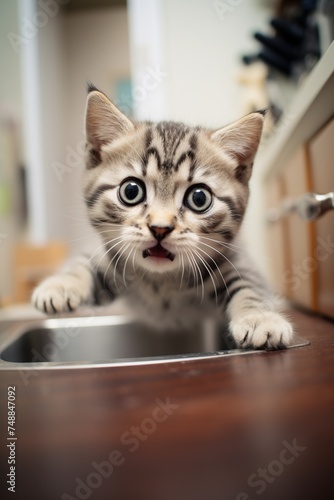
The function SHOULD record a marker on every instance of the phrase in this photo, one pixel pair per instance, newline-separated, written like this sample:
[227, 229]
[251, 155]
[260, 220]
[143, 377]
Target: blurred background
[203, 62]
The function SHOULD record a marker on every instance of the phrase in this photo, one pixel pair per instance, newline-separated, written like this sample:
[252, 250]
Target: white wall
[148, 58]
[200, 53]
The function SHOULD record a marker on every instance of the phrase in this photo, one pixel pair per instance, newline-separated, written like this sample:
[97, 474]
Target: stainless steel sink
[107, 340]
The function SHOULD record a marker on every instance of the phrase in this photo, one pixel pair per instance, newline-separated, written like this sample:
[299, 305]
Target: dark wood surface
[231, 418]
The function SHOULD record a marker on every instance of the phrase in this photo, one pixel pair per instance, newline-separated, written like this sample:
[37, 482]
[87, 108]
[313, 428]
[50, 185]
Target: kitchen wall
[203, 45]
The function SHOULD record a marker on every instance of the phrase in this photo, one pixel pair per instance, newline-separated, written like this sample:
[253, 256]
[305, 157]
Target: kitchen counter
[239, 427]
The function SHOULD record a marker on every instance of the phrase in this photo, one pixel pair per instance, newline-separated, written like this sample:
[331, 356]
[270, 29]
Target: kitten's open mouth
[159, 252]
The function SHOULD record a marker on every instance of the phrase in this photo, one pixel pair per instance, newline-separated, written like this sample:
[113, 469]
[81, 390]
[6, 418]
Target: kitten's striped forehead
[170, 146]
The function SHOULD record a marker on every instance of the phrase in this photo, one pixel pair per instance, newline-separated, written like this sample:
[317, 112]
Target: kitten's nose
[160, 232]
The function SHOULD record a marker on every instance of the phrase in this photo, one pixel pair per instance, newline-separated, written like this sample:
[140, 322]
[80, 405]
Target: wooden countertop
[204, 429]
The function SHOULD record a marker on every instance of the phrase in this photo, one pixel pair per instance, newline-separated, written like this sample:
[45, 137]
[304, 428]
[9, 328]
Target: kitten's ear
[104, 122]
[240, 141]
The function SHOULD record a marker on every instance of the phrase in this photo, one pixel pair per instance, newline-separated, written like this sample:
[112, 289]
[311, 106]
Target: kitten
[168, 201]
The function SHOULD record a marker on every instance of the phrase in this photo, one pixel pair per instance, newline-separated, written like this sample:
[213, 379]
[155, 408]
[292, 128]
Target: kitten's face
[166, 197]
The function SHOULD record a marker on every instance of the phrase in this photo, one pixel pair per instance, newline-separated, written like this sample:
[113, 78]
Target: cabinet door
[300, 275]
[321, 152]
[277, 236]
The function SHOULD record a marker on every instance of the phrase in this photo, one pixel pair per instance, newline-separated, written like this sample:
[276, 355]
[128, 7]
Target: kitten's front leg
[255, 323]
[67, 290]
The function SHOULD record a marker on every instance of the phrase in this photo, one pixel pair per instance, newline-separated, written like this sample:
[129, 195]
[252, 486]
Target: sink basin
[109, 340]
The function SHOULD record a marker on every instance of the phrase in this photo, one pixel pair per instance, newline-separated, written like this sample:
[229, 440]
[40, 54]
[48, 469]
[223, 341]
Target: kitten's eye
[132, 191]
[198, 198]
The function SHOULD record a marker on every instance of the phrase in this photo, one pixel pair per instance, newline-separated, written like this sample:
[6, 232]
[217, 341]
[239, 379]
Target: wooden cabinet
[302, 251]
[321, 154]
[298, 278]
[298, 160]
[277, 233]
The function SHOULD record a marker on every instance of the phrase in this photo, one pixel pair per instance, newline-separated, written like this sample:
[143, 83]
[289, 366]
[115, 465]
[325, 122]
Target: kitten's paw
[59, 294]
[261, 329]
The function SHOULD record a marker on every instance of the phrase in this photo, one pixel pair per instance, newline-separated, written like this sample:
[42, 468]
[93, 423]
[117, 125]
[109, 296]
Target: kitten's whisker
[102, 246]
[201, 278]
[194, 272]
[75, 218]
[188, 272]
[109, 250]
[218, 268]
[231, 246]
[87, 220]
[219, 241]
[126, 261]
[97, 233]
[224, 256]
[199, 272]
[80, 196]
[222, 243]
[107, 269]
[80, 239]
[182, 270]
[119, 253]
[118, 228]
[133, 258]
[209, 272]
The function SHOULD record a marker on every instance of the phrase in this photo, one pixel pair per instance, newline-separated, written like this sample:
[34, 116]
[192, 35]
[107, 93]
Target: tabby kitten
[168, 201]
